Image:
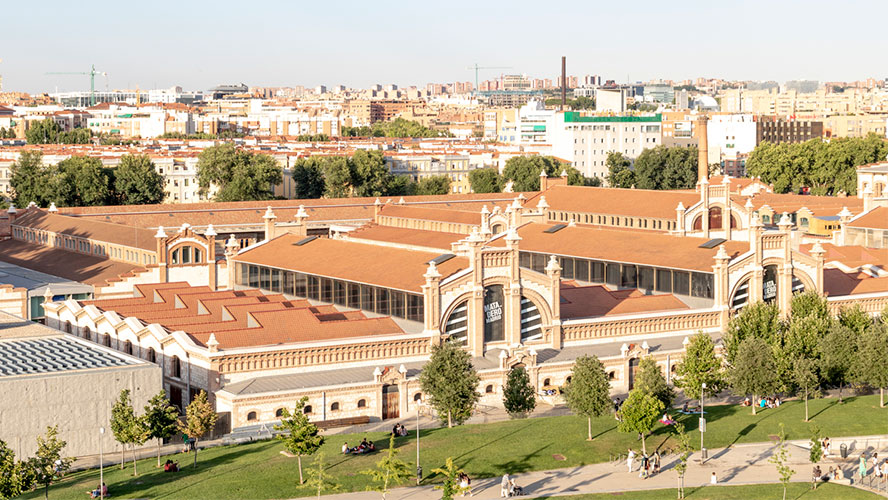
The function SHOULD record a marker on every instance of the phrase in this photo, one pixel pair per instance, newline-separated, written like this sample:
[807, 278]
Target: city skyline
[288, 46]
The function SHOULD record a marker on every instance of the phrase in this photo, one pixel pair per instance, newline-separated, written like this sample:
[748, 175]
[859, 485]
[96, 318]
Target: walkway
[736, 465]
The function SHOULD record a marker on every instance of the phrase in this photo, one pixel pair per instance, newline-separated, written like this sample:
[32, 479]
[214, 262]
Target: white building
[730, 135]
[585, 141]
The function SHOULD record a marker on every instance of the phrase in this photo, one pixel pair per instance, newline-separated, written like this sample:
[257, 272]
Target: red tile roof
[876, 218]
[599, 300]
[613, 201]
[83, 268]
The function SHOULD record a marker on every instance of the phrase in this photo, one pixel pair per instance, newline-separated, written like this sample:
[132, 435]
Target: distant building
[223, 91]
[659, 93]
[777, 130]
[611, 99]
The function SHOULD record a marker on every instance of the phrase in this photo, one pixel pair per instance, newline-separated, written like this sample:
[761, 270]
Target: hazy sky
[198, 45]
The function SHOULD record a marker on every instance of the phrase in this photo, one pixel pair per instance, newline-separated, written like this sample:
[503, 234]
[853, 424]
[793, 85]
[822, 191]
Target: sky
[197, 44]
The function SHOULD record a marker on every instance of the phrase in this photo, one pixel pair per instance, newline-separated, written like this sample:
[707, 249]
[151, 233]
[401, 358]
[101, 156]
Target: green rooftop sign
[574, 117]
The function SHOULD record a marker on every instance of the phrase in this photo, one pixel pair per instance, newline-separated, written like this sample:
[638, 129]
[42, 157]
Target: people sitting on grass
[667, 419]
[171, 466]
[746, 402]
[364, 447]
[345, 448]
[399, 430]
[101, 491]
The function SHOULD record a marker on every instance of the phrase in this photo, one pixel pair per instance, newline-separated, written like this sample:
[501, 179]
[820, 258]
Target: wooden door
[391, 403]
[633, 366]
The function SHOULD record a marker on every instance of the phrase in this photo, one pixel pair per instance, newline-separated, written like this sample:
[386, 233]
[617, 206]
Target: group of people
[833, 474]
[399, 430]
[508, 488]
[880, 467]
[364, 447]
[689, 410]
[766, 402]
[100, 492]
[648, 466]
[171, 466]
[666, 419]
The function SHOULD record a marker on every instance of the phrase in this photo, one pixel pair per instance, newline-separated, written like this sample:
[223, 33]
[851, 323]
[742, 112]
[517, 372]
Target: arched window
[417, 397]
[152, 355]
[174, 259]
[279, 412]
[176, 367]
[362, 403]
[547, 381]
[107, 340]
[87, 333]
[531, 321]
[611, 375]
[128, 347]
[489, 389]
[306, 409]
[68, 327]
[456, 327]
[334, 406]
[251, 416]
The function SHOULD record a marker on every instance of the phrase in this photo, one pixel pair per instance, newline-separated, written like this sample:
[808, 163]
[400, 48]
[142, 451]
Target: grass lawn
[258, 470]
[772, 491]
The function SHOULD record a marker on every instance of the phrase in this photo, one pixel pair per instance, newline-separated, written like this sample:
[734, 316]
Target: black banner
[493, 314]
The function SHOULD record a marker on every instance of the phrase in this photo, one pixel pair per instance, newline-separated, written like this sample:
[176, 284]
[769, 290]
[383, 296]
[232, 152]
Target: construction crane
[476, 68]
[92, 80]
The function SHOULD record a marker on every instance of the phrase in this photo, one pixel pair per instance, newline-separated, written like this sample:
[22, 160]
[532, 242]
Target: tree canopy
[485, 180]
[451, 383]
[619, 173]
[399, 127]
[301, 437]
[48, 131]
[136, 181]
[639, 414]
[827, 168]
[650, 379]
[665, 167]
[199, 419]
[588, 392]
[518, 393]
[699, 366]
[524, 172]
[753, 370]
[239, 175]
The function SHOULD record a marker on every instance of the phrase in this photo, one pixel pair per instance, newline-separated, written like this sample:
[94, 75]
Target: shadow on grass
[831, 405]
[473, 450]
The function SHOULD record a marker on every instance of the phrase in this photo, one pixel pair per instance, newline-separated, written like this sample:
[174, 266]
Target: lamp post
[418, 467]
[101, 463]
[702, 423]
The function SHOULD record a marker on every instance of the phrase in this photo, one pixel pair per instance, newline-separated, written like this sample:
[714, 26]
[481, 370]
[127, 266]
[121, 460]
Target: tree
[450, 487]
[619, 173]
[485, 180]
[29, 178]
[161, 419]
[123, 418]
[808, 303]
[588, 392]
[199, 419]
[338, 178]
[301, 437]
[390, 470]
[816, 452]
[804, 375]
[48, 464]
[525, 171]
[239, 175]
[319, 479]
[780, 459]
[137, 182]
[436, 184]
[640, 412]
[650, 379]
[308, 175]
[43, 132]
[451, 383]
[856, 319]
[759, 319]
[15, 477]
[666, 168]
[684, 453]
[699, 366]
[870, 366]
[370, 176]
[753, 371]
[518, 394]
[838, 356]
[801, 340]
[79, 181]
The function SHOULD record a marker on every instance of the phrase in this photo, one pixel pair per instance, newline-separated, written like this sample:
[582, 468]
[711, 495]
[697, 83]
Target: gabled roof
[599, 300]
[119, 234]
[432, 214]
[405, 236]
[371, 264]
[613, 201]
[633, 247]
[876, 218]
[74, 266]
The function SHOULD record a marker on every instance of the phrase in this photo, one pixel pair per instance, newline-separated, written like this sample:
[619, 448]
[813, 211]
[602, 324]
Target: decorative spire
[484, 210]
[211, 231]
[432, 271]
[34, 205]
[11, 209]
[474, 236]
[516, 204]
[845, 213]
[543, 174]
[402, 201]
[402, 369]
[748, 204]
[212, 343]
[52, 208]
[817, 250]
[160, 233]
[553, 265]
[269, 214]
[784, 220]
[722, 254]
[184, 227]
[680, 207]
[301, 213]
[47, 295]
[377, 202]
[542, 203]
[512, 236]
[726, 180]
[685, 342]
[564, 173]
[231, 242]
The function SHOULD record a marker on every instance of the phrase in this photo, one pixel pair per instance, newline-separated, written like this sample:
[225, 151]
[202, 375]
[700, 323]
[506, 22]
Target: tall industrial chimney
[563, 82]
[702, 149]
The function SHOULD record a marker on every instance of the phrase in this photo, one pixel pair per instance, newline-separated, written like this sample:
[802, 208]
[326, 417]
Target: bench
[343, 422]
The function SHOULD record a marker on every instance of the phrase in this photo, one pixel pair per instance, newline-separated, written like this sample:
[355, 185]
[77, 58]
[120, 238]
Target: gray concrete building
[51, 378]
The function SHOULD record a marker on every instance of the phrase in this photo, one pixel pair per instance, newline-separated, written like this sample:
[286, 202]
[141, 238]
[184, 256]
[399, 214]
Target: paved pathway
[736, 465]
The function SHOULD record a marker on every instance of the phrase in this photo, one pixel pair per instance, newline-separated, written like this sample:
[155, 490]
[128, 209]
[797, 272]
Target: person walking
[645, 464]
[657, 462]
[504, 486]
[629, 459]
[862, 467]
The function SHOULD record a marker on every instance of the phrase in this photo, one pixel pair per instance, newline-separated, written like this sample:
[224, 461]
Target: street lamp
[418, 467]
[101, 463]
[702, 423]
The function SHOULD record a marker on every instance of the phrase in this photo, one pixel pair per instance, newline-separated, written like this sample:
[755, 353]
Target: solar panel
[713, 243]
[305, 240]
[555, 228]
[444, 257]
